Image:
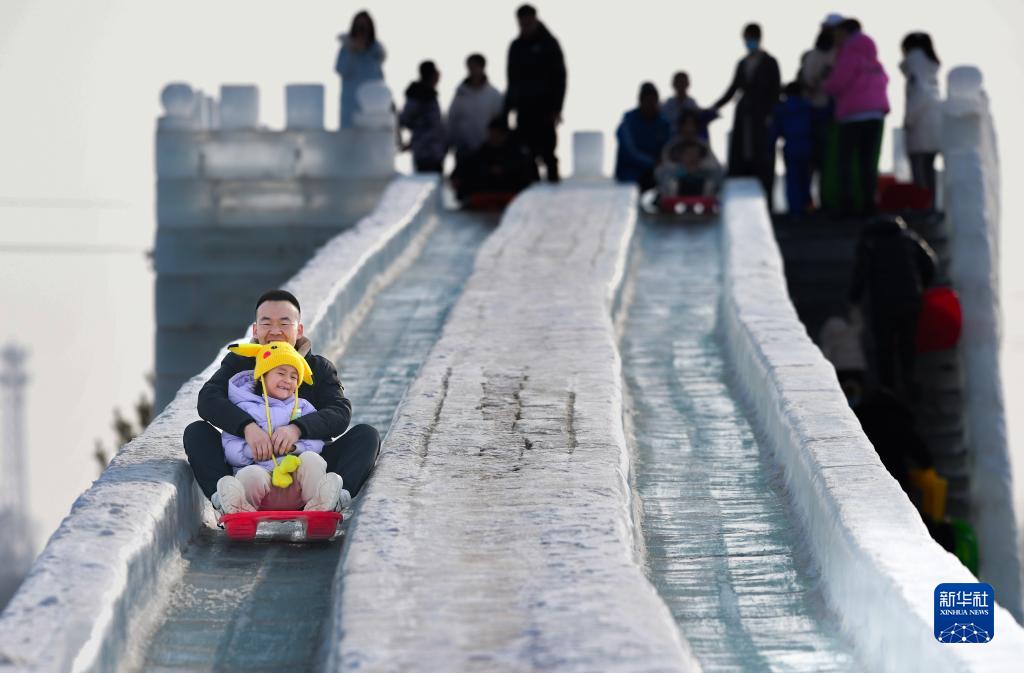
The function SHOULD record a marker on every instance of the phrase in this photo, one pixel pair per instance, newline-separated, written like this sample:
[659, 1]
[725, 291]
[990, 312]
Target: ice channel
[722, 546]
[260, 607]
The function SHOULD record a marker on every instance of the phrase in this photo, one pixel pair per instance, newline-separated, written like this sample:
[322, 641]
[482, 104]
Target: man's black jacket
[333, 410]
[536, 73]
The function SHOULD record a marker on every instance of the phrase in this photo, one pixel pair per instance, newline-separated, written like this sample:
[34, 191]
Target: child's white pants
[262, 494]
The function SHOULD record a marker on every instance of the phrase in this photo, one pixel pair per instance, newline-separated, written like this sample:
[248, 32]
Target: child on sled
[270, 394]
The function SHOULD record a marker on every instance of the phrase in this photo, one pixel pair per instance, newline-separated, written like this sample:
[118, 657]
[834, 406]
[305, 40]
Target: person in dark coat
[893, 266]
[499, 165]
[351, 455]
[422, 115]
[642, 135]
[757, 79]
[536, 88]
[793, 121]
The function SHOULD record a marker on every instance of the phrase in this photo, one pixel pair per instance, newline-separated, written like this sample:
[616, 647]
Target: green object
[965, 544]
[829, 187]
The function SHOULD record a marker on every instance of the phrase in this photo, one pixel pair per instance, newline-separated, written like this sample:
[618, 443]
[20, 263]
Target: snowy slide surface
[879, 566]
[94, 579]
[496, 533]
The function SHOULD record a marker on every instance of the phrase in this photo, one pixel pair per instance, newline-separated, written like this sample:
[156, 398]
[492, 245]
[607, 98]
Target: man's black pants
[352, 455]
[536, 129]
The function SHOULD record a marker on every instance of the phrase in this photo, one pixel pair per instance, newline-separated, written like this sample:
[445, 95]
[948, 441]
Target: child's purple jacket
[240, 391]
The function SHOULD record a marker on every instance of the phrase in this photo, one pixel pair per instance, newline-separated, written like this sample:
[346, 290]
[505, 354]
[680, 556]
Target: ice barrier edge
[96, 575]
[879, 567]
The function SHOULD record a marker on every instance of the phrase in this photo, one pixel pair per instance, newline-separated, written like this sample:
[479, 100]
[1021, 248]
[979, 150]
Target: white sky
[81, 85]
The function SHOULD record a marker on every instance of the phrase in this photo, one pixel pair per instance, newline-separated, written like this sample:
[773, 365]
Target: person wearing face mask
[758, 82]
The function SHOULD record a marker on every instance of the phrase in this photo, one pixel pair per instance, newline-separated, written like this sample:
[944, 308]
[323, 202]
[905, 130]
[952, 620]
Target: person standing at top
[642, 135]
[922, 122]
[815, 66]
[672, 108]
[816, 63]
[673, 105]
[857, 85]
[758, 81]
[421, 114]
[792, 122]
[359, 61]
[475, 105]
[536, 87]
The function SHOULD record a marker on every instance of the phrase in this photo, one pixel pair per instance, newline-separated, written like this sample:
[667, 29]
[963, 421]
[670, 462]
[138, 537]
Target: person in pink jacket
[857, 84]
[269, 394]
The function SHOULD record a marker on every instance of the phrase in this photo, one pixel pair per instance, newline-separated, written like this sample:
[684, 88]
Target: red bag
[940, 322]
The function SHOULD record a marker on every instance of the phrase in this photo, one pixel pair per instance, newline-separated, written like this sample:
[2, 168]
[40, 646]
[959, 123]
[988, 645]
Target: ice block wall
[240, 208]
[972, 210]
[879, 567]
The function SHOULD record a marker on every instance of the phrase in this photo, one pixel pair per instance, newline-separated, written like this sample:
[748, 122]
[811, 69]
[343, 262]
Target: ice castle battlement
[242, 207]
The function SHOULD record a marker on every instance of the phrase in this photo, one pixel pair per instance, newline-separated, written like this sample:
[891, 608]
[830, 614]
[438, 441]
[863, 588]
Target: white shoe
[328, 494]
[231, 495]
[215, 501]
[344, 500]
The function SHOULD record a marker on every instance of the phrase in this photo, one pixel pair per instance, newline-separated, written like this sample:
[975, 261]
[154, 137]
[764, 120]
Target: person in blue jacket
[642, 134]
[360, 60]
[793, 122]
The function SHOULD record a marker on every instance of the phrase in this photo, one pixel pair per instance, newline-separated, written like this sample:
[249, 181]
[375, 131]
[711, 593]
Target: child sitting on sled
[270, 394]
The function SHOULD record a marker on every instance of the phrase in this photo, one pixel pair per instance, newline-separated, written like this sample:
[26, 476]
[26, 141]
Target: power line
[50, 202]
[31, 248]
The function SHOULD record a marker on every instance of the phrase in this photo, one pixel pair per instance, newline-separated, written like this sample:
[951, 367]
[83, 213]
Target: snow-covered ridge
[879, 566]
[496, 533]
[93, 580]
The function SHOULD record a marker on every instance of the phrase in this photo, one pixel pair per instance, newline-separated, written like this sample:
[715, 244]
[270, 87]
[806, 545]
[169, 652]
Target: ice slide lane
[260, 607]
[722, 547]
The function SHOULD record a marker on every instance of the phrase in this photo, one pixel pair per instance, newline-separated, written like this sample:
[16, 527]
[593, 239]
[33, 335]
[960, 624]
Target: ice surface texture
[879, 566]
[496, 533]
[722, 546]
[93, 579]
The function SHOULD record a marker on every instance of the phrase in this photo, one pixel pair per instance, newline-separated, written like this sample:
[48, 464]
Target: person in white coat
[922, 123]
[475, 105]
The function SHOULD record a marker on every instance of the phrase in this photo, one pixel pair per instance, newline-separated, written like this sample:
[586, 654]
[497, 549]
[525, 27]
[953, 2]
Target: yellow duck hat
[274, 354]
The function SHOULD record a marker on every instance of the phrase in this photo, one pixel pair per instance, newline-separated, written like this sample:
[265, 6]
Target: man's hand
[259, 441]
[285, 438]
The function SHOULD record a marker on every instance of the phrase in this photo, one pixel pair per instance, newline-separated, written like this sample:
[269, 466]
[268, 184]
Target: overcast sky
[81, 85]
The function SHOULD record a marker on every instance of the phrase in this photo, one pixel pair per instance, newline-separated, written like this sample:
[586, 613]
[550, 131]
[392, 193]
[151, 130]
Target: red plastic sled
[894, 196]
[699, 206]
[940, 321]
[489, 201]
[318, 525]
